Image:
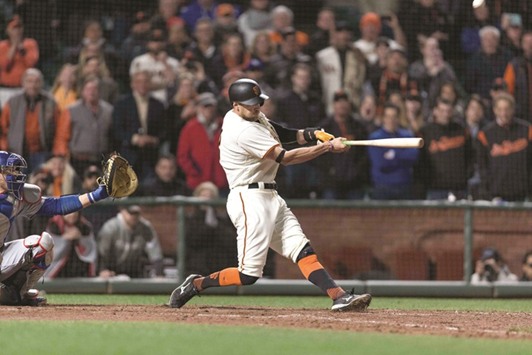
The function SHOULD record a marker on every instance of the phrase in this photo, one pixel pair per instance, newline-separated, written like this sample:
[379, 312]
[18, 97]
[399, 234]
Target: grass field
[155, 338]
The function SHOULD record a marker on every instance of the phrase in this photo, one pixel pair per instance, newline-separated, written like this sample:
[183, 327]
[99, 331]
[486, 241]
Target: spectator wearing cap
[371, 30]
[278, 70]
[512, 31]
[162, 67]
[198, 9]
[486, 64]
[255, 70]
[16, 55]
[198, 154]
[283, 19]
[128, 245]
[139, 125]
[394, 78]
[518, 78]
[341, 66]
[225, 23]
[490, 268]
[345, 176]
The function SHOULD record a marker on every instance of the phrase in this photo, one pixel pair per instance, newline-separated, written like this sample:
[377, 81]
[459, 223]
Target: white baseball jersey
[243, 145]
[261, 217]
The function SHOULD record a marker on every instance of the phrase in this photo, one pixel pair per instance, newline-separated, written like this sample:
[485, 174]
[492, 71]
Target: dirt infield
[503, 325]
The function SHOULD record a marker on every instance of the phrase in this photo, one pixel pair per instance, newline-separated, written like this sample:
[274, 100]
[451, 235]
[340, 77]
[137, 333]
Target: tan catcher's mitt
[119, 178]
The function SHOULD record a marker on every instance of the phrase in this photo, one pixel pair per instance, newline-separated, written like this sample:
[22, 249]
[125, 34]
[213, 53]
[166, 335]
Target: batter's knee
[306, 251]
[247, 280]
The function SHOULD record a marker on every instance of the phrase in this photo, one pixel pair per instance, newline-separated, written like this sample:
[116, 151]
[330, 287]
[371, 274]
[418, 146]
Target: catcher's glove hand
[119, 178]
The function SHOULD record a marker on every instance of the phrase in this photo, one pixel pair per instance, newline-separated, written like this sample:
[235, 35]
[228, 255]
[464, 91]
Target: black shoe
[181, 295]
[351, 302]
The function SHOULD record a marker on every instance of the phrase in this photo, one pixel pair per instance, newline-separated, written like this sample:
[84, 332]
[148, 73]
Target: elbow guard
[280, 157]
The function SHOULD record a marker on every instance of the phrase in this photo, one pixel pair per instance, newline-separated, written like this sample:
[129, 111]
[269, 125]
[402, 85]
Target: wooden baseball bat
[389, 142]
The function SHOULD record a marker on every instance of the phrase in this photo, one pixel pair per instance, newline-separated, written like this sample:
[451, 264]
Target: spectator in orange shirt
[31, 123]
[16, 55]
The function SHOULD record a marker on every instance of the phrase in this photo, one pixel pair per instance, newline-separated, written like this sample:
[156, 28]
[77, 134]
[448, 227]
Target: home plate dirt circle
[506, 325]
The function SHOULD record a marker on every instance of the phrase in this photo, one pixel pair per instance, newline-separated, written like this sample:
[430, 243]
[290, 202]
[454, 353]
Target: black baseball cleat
[181, 295]
[351, 302]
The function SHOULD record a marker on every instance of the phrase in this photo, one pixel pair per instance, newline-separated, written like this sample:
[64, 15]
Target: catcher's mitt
[119, 178]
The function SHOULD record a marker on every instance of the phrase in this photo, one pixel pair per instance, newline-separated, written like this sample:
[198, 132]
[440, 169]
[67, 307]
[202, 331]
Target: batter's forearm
[302, 155]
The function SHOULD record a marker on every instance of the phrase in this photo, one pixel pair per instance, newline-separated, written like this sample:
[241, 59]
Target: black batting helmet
[247, 92]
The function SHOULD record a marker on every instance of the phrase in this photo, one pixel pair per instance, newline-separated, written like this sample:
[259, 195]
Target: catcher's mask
[247, 92]
[13, 167]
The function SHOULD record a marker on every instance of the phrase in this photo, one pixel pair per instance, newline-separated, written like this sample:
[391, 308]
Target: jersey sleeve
[257, 141]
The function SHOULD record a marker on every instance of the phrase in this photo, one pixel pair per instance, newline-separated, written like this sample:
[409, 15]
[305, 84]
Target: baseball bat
[389, 142]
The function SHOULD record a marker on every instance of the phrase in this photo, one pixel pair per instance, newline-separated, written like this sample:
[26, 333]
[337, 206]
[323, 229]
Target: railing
[468, 207]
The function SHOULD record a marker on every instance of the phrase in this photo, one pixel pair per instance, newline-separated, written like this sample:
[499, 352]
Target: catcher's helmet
[13, 166]
[247, 92]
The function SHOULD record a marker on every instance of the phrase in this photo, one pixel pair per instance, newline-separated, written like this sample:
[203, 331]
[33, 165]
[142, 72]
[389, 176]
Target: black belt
[267, 185]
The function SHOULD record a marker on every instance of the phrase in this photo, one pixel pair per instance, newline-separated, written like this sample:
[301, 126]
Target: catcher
[23, 261]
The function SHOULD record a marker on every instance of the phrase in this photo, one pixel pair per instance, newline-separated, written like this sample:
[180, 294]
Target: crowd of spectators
[150, 79]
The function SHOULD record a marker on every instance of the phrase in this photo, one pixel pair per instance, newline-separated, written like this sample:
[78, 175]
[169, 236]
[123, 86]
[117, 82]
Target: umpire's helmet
[247, 92]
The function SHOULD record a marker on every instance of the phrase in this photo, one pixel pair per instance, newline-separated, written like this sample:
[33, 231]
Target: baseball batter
[250, 153]
[23, 261]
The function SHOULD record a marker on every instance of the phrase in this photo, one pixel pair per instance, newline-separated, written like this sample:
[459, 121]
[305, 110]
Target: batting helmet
[247, 92]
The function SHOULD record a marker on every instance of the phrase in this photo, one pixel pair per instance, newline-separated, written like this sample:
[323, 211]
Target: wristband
[99, 194]
[309, 134]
